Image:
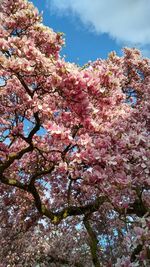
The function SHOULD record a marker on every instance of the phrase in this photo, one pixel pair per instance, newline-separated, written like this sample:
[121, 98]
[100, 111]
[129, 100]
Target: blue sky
[93, 28]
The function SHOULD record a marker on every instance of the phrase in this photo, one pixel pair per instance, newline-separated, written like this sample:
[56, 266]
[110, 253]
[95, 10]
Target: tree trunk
[93, 242]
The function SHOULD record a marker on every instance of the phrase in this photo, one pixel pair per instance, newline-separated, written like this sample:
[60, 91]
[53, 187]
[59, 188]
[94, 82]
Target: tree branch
[39, 173]
[35, 128]
[93, 241]
[12, 157]
[24, 85]
[55, 217]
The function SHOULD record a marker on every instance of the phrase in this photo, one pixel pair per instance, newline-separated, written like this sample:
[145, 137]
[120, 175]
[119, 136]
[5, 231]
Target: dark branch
[93, 241]
[40, 173]
[137, 208]
[55, 217]
[35, 128]
[24, 85]
[136, 252]
[14, 156]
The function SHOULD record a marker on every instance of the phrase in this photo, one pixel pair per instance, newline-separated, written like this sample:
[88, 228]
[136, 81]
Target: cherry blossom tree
[74, 150]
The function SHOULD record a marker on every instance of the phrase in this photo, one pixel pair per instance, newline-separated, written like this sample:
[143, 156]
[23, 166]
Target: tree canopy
[74, 150]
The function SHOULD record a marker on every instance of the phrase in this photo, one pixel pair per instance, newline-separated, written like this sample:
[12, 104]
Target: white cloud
[127, 21]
